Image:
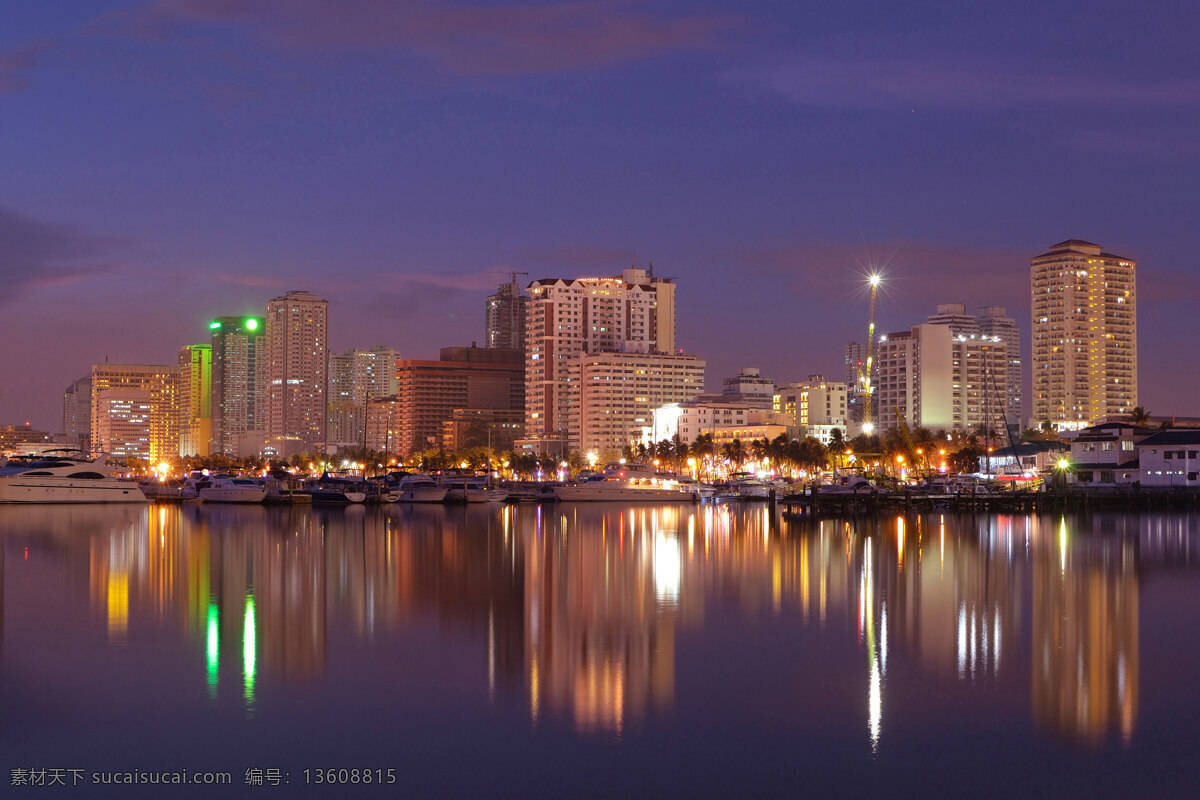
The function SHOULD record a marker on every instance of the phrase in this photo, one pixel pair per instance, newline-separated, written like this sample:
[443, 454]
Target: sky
[166, 162]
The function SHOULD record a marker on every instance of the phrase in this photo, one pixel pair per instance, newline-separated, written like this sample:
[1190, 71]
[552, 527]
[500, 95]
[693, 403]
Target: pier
[1132, 498]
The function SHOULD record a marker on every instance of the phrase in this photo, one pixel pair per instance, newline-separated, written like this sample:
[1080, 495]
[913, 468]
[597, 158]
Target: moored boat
[225, 489]
[473, 489]
[637, 483]
[418, 488]
[64, 476]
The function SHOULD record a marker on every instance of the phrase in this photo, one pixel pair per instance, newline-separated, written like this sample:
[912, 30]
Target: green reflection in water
[213, 648]
[248, 650]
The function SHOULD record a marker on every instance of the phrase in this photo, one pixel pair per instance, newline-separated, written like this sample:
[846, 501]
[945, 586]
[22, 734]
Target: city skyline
[167, 162]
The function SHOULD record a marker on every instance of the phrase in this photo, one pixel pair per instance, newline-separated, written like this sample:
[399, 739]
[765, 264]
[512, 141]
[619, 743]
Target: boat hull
[336, 497]
[621, 494]
[223, 495]
[66, 490]
[435, 494]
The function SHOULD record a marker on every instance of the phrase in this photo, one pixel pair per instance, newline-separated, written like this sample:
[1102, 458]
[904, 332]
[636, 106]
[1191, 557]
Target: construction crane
[864, 374]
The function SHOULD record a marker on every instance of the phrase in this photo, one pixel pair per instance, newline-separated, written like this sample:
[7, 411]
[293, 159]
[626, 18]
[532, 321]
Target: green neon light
[214, 325]
[251, 324]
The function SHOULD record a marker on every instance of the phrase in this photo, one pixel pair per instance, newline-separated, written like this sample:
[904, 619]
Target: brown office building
[429, 392]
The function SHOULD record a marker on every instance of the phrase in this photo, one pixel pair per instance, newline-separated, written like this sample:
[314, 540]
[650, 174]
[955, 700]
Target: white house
[1170, 458]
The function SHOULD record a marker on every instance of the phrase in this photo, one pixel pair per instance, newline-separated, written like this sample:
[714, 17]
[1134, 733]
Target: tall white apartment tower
[297, 362]
[990, 322]
[633, 313]
[1084, 304]
[994, 321]
[940, 380]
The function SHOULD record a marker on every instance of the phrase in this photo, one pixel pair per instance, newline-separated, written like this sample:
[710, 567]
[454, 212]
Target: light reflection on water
[592, 614]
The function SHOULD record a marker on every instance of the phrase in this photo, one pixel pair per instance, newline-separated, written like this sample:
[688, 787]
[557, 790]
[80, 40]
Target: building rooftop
[1170, 438]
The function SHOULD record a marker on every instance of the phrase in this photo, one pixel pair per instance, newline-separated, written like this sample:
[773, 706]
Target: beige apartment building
[632, 313]
[1084, 304]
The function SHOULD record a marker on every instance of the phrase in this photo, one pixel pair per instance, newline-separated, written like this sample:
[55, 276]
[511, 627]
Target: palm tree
[1139, 416]
[703, 450]
[735, 452]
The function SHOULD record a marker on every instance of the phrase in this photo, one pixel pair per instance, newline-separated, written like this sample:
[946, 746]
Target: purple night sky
[165, 162]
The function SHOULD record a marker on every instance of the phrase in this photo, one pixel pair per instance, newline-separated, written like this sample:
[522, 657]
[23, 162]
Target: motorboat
[419, 488]
[286, 489]
[472, 489]
[168, 489]
[226, 489]
[750, 487]
[849, 484]
[329, 490]
[629, 482]
[65, 476]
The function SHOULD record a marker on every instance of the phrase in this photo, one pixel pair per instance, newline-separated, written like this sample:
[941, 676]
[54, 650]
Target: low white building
[1170, 458]
[1106, 455]
[724, 420]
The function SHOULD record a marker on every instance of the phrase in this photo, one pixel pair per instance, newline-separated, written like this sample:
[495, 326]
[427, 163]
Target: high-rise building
[356, 377]
[633, 313]
[991, 321]
[77, 413]
[135, 411]
[239, 385]
[297, 363]
[430, 392]
[1084, 335]
[619, 392]
[195, 400]
[995, 322]
[506, 316]
[940, 380]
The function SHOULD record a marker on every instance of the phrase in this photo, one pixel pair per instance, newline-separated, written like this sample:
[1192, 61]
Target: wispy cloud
[460, 38]
[891, 74]
[35, 254]
[16, 64]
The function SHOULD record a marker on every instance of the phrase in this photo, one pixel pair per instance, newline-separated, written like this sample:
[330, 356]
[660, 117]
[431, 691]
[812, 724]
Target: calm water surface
[601, 651]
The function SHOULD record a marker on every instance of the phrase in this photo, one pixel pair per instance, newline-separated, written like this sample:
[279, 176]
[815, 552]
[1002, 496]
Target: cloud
[35, 254]
[870, 75]
[14, 65]
[460, 38]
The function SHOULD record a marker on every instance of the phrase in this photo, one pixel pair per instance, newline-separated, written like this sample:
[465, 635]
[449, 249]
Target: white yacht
[849, 484]
[472, 489]
[60, 478]
[631, 482]
[223, 489]
[417, 488]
